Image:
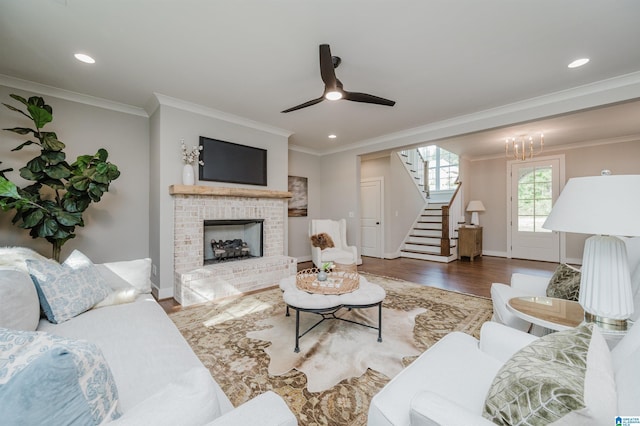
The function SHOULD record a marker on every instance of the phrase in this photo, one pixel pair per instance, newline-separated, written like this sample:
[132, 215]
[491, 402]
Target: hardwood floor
[462, 275]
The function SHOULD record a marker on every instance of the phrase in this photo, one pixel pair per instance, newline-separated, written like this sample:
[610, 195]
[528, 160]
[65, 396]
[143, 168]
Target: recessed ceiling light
[84, 58]
[332, 136]
[578, 63]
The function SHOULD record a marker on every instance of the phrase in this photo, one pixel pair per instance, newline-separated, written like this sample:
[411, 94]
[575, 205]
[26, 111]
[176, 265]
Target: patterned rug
[217, 333]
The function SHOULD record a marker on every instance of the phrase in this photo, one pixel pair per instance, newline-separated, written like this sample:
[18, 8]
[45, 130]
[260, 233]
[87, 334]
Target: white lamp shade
[475, 206]
[605, 205]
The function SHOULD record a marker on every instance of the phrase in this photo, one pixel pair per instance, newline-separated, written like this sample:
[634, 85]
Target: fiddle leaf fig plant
[52, 206]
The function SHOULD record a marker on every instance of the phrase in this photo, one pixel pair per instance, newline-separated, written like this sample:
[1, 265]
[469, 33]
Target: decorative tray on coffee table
[339, 280]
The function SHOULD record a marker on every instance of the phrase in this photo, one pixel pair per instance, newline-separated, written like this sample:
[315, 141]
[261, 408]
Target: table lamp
[606, 206]
[474, 207]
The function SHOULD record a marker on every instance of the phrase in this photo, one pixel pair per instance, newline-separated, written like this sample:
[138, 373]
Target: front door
[534, 187]
[371, 204]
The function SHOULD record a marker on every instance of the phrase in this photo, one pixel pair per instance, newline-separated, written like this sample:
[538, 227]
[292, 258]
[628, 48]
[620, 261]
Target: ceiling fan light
[333, 95]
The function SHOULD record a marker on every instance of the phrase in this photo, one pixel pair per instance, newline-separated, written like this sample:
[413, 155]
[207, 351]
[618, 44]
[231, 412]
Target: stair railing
[418, 169]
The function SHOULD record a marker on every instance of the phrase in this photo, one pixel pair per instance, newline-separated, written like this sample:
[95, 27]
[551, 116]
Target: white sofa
[448, 383]
[159, 379]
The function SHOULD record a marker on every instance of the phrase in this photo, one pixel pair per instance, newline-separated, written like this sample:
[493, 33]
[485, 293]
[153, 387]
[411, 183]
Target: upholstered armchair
[337, 232]
[529, 285]
[449, 384]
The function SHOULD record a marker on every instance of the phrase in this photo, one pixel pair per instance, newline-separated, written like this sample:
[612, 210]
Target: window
[443, 168]
[535, 198]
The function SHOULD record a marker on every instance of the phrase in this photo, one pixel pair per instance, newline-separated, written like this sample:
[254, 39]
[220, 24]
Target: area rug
[336, 350]
[217, 332]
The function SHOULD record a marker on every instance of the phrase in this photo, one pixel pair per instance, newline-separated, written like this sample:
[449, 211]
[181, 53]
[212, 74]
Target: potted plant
[52, 206]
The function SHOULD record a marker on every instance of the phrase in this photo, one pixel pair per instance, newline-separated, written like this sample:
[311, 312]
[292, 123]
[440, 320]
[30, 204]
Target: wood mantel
[226, 192]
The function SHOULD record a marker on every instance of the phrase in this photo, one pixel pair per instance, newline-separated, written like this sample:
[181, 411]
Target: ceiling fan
[333, 87]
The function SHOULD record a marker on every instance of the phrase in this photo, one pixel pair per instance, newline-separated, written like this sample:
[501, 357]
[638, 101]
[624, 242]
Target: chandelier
[523, 147]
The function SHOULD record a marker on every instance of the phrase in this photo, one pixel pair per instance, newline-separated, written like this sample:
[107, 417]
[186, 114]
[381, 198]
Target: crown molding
[569, 146]
[67, 95]
[217, 114]
[304, 150]
[603, 92]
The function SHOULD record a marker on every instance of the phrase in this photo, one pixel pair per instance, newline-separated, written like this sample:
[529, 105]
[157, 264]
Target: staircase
[433, 236]
[425, 240]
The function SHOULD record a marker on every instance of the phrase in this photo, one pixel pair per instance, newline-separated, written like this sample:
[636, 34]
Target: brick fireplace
[195, 282]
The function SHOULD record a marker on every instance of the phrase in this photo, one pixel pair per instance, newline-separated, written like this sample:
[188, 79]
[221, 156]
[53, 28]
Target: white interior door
[534, 187]
[371, 205]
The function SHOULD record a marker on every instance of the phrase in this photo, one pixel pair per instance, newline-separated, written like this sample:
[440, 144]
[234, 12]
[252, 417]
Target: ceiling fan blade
[366, 98]
[304, 105]
[327, 71]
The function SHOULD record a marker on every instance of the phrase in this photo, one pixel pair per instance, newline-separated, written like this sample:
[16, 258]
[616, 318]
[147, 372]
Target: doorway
[371, 216]
[533, 187]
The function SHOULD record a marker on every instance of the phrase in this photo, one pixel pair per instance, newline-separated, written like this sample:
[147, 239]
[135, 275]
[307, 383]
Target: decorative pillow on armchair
[322, 240]
[565, 283]
[50, 380]
[565, 377]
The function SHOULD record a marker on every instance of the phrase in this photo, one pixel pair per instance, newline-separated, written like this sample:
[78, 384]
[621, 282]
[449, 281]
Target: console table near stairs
[469, 242]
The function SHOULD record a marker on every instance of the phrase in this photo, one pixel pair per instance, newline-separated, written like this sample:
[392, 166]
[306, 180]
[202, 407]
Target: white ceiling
[438, 60]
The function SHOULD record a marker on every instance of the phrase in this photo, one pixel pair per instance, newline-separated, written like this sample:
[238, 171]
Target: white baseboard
[161, 293]
[393, 255]
[494, 253]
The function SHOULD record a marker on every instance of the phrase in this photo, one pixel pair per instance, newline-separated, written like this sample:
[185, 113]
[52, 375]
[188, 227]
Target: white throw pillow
[135, 272]
[122, 291]
[19, 305]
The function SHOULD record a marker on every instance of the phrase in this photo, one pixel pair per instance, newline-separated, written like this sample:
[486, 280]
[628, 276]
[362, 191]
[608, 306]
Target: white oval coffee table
[367, 295]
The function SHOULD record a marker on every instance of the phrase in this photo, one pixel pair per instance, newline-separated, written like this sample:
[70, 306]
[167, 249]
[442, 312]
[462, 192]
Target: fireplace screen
[227, 240]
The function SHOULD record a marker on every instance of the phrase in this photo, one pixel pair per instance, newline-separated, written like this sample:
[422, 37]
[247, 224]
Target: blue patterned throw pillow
[46, 379]
[65, 292]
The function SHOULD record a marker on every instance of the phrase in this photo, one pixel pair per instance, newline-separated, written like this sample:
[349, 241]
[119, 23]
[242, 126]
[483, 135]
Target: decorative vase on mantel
[188, 176]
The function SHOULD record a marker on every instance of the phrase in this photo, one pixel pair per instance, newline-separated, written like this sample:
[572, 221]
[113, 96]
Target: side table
[549, 312]
[469, 242]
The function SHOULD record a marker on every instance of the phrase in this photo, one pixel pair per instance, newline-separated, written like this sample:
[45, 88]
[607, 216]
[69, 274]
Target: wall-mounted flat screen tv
[232, 162]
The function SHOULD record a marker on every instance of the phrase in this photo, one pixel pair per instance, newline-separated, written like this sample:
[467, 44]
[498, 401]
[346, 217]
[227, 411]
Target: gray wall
[488, 182]
[402, 198]
[169, 125]
[305, 165]
[116, 227]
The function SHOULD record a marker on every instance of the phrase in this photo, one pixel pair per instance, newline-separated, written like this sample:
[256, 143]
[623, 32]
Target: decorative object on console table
[604, 206]
[469, 242]
[474, 207]
[189, 156]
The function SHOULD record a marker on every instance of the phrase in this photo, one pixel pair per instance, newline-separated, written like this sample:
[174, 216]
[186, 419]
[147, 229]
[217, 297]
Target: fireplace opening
[228, 240]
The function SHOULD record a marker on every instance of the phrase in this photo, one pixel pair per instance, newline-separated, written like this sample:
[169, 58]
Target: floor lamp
[606, 206]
